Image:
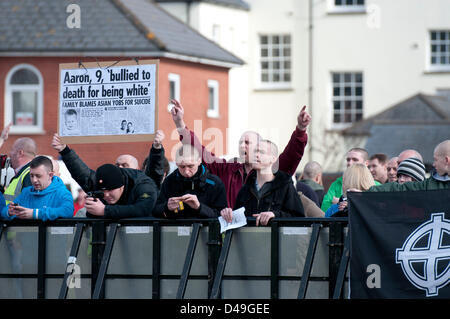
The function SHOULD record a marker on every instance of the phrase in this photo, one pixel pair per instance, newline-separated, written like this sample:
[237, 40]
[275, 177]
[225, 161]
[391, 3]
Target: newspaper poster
[108, 101]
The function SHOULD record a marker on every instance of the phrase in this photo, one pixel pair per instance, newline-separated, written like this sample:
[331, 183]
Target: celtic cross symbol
[431, 281]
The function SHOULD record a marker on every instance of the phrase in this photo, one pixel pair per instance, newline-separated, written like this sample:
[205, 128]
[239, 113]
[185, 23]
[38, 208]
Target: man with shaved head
[441, 159]
[127, 161]
[21, 154]
[439, 178]
[408, 154]
[312, 176]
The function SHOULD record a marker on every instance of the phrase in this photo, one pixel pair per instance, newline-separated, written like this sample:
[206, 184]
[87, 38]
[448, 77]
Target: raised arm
[155, 164]
[80, 172]
[5, 133]
[188, 137]
[293, 153]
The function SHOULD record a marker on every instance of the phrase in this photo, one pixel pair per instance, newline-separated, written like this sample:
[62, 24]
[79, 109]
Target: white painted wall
[228, 27]
[389, 45]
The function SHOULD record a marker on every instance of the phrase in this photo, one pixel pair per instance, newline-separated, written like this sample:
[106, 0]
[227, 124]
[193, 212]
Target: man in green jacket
[439, 179]
[354, 155]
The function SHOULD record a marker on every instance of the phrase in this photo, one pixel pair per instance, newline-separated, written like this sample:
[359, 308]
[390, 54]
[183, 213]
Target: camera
[95, 194]
[344, 212]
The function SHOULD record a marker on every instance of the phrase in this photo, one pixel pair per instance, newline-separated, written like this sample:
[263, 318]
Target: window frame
[38, 88]
[437, 67]
[214, 85]
[352, 8]
[351, 98]
[175, 78]
[270, 59]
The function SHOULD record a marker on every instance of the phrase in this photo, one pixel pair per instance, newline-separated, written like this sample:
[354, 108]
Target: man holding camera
[115, 192]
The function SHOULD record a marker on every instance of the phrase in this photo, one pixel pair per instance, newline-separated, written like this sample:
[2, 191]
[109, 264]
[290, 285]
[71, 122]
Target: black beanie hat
[108, 176]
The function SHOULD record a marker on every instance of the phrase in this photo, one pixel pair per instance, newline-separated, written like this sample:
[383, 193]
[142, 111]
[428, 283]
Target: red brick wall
[193, 92]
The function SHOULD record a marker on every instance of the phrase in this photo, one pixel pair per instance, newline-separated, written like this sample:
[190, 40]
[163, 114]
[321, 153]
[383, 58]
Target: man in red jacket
[233, 174]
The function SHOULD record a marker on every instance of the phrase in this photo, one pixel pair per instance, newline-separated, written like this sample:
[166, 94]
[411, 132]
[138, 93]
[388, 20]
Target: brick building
[36, 36]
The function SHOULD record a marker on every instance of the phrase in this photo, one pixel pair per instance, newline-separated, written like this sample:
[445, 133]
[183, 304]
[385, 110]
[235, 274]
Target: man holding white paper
[267, 194]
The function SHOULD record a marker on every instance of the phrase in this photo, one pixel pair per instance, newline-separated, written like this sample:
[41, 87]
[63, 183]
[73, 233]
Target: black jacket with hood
[278, 196]
[208, 188]
[139, 195]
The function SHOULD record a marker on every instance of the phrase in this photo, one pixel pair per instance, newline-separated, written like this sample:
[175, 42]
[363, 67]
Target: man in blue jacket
[47, 198]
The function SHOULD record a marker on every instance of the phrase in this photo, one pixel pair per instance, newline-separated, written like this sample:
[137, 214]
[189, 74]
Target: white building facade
[345, 59]
[226, 25]
[349, 59]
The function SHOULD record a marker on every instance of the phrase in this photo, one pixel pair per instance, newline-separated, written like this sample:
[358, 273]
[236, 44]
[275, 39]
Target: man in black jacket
[190, 191]
[266, 194]
[126, 192]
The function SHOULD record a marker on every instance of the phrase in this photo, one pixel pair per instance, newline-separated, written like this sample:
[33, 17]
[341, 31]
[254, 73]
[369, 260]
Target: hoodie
[48, 204]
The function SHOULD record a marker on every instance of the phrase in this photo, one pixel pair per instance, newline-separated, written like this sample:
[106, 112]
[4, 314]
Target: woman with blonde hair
[357, 177]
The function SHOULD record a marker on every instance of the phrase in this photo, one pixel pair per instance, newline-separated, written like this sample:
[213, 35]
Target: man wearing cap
[410, 170]
[126, 192]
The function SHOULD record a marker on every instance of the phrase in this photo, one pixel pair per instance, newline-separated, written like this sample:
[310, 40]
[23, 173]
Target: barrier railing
[142, 258]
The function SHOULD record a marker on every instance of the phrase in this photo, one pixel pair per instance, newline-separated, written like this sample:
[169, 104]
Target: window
[440, 50]
[23, 99]
[275, 60]
[215, 33]
[347, 6]
[174, 88]
[347, 97]
[213, 98]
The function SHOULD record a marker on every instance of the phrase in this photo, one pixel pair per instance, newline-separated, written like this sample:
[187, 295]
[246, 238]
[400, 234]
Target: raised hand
[57, 144]
[5, 132]
[303, 119]
[159, 137]
[177, 113]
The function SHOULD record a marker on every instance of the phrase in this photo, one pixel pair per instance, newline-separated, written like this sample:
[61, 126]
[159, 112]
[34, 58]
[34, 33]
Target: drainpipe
[188, 12]
[310, 74]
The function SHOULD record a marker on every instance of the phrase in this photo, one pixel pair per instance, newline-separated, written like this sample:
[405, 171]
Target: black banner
[400, 244]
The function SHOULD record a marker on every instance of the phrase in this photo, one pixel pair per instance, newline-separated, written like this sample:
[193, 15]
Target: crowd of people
[204, 185]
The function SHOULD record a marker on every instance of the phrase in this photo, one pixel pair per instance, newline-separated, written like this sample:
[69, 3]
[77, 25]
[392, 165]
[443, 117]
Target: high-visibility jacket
[15, 186]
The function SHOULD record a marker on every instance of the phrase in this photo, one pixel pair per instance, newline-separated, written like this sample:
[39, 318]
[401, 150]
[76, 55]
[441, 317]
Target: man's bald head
[408, 154]
[441, 158]
[443, 148]
[127, 161]
[311, 170]
[22, 152]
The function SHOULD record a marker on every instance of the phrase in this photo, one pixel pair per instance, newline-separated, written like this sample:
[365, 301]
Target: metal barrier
[155, 258]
